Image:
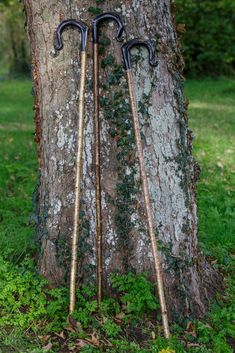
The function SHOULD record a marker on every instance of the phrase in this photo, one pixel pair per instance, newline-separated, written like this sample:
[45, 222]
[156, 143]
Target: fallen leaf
[61, 335]
[44, 338]
[181, 28]
[81, 343]
[48, 347]
[193, 345]
[191, 329]
[94, 340]
[229, 151]
[219, 165]
[119, 317]
[70, 328]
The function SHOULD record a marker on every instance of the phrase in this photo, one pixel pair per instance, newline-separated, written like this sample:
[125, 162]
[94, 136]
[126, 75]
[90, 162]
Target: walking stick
[95, 24]
[84, 31]
[126, 48]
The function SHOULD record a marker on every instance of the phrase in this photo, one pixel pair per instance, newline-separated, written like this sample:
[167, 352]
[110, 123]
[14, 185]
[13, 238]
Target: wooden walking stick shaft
[97, 174]
[80, 139]
[83, 28]
[99, 239]
[157, 261]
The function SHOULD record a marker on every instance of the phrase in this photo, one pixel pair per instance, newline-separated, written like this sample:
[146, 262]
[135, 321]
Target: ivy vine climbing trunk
[190, 281]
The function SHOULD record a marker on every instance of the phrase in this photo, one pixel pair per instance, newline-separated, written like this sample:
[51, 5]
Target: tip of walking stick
[72, 321]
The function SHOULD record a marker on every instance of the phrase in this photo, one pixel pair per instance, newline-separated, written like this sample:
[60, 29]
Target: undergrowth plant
[125, 322]
[136, 294]
[26, 301]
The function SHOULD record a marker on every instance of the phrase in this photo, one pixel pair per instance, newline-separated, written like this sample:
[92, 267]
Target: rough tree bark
[190, 281]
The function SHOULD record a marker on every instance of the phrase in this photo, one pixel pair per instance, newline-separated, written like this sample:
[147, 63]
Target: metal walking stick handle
[126, 48]
[126, 52]
[107, 16]
[95, 26]
[83, 28]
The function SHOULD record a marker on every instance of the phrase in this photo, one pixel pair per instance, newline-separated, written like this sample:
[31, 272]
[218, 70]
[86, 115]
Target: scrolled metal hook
[83, 28]
[107, 16]
[126, 51]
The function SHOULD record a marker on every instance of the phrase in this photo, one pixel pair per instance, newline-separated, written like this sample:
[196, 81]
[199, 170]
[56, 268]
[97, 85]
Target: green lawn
[212, 118]
[18, 168]
[26, 313]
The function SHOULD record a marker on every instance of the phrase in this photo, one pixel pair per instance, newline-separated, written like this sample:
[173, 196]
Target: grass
[212, 118]
[23, 300]
[18, 168]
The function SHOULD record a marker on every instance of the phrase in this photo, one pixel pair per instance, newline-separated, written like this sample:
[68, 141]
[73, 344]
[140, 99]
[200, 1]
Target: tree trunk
[172, 172]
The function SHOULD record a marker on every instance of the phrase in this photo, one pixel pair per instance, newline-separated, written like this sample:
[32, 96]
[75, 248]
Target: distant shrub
[209, 41]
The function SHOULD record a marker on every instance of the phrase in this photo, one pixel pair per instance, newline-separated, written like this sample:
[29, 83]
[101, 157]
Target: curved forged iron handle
[81, 26]
[126, 51]
[107, 16]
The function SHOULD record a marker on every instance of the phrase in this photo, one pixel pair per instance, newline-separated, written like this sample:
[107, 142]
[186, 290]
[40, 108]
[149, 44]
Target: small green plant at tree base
[136, 293]
[25, 299]
[110, 328]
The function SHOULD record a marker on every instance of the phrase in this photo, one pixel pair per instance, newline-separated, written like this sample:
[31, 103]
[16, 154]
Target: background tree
[190, 281]
[14, 47]
[210, 26]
